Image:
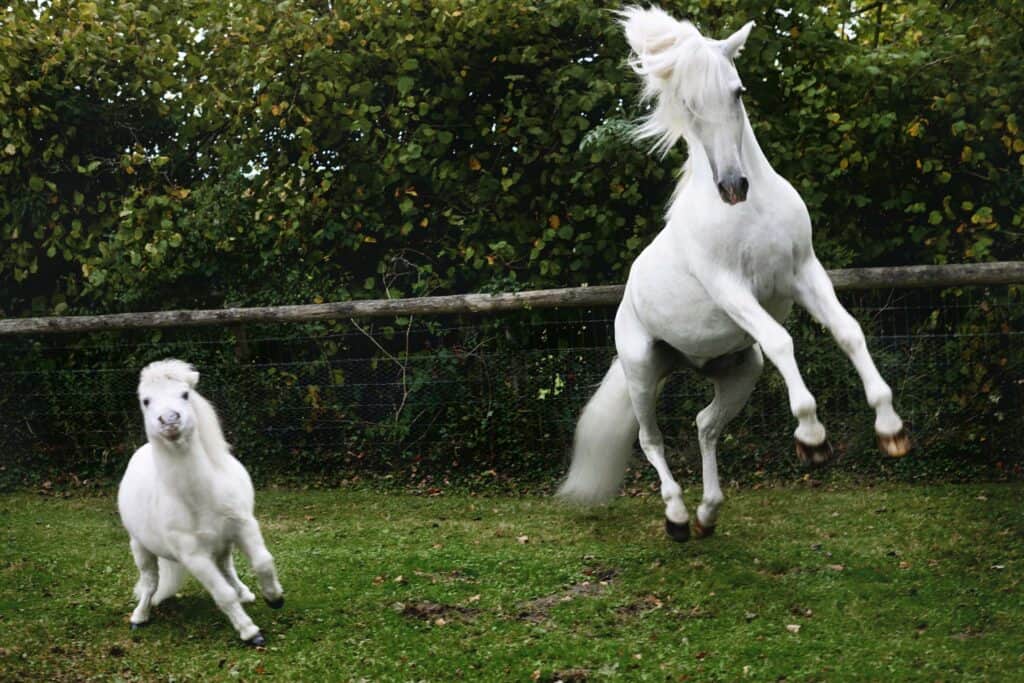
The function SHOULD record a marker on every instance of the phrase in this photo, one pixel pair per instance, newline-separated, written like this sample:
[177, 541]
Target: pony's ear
[733, 45]
[653, 35]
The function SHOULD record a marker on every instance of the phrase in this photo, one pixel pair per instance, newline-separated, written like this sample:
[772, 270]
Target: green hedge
[194, 153]
[202, 153]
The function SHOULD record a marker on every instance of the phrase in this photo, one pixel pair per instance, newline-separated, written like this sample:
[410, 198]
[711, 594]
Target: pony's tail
[172, 575]
[605, 434]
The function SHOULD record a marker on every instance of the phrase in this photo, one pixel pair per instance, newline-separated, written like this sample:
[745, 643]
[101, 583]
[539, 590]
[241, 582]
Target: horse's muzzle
[733, 190]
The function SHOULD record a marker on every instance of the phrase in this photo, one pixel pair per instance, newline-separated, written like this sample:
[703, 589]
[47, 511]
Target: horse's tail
[172, 575]
[605, 434]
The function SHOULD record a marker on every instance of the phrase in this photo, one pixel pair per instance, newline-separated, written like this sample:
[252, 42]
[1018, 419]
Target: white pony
[712, 288]
[185, 501]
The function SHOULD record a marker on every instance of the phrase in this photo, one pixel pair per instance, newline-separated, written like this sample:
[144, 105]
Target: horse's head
[698, 91]
[164, 392]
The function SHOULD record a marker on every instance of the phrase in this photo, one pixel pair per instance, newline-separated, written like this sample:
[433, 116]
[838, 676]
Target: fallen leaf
[523, 539]
[793, 628]
[835, 567]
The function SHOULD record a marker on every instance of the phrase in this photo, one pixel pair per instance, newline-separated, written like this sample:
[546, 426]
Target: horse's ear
[192, 377]
[653, 35]
[733, 45]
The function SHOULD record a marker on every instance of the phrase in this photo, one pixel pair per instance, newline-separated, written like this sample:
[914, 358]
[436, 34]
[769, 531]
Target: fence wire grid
[501, 393]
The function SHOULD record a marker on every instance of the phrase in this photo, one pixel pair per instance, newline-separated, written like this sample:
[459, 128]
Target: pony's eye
[145, 401]
[185, 395]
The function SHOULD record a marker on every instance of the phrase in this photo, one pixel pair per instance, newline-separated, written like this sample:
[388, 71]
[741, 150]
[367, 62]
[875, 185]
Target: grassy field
[887, 583]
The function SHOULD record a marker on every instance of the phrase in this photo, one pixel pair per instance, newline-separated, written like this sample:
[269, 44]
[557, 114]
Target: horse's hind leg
[250, 540]
[645, 364]
[816, 294]
[734, 381]
[146, 585]
[227, 567]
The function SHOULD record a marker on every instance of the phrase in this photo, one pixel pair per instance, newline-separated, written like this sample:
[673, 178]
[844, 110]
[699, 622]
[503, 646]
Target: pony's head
[697, 90]
[166, 397]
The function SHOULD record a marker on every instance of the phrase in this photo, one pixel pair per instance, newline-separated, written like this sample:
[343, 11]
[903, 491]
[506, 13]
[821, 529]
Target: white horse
[185, 501]
[712, 288]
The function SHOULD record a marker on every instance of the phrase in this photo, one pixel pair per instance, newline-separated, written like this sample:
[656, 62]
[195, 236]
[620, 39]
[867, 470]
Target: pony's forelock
[170, 369]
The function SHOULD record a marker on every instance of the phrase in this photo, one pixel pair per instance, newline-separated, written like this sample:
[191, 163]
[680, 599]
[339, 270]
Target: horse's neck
[186, 469]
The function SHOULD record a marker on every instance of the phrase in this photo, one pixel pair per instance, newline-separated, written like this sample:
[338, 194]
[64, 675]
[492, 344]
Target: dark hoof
[896, 445]
[256, 641]
[701, 531]
[677, 532]
[814, 456]
[136, 627]
[275, 604]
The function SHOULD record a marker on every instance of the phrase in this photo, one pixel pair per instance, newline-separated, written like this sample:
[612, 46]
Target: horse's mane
[678, 66]
[207, 423]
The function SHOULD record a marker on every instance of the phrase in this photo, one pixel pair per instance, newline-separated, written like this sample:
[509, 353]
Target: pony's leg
[227, 567]
[740, 304]
[644, 367]
[733, 386]
[250, 540]
[206, 571]
[814, 291]
[146, 586]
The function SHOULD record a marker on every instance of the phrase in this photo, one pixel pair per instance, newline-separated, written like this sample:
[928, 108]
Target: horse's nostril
[170, 417]
[744, 186]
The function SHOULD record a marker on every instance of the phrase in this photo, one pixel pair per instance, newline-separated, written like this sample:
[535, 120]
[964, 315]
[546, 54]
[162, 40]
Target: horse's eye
[185, 395]
[739, 92]
[145, 401]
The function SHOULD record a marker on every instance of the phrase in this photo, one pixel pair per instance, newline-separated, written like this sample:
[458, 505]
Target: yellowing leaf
[474, 164]
[554, 221]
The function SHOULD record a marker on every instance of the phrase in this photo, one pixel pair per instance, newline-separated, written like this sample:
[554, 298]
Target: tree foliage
[158, 154]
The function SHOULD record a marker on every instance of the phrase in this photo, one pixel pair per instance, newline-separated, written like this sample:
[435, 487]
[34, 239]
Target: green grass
[886, 583]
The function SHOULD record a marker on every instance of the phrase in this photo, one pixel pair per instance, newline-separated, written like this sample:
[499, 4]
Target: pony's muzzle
[170, 418]
[733, 190]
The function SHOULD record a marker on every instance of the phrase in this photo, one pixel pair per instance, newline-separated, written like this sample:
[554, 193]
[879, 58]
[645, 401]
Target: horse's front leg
[208, 573]
[735, 298]
[814, 291]
[250, 541]
[227, 567]
[146, 586]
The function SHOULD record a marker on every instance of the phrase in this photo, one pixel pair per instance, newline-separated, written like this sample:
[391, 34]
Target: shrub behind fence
[430, 398]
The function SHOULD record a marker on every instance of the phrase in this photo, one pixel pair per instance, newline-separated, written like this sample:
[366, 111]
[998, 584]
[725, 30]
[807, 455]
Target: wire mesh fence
[468, 394]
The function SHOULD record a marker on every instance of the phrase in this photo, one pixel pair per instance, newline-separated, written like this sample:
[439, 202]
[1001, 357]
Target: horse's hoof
[275, 604]
[701, 531]
[677, 532]
[814, 456]
[256, 641]
[136, 626]
[896, 445]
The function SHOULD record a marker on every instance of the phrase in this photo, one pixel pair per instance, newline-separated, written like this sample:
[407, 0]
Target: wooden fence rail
[904, 277]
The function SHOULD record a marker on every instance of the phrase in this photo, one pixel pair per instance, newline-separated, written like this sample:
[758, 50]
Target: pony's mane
[679, 68]
[207, 423]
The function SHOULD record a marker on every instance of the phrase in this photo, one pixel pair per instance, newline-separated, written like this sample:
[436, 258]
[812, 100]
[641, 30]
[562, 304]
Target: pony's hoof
[256, 641]
[701, 531]
[896, 445]
[677, 532]
[275, 604]
[814, 456]
[136, 626]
